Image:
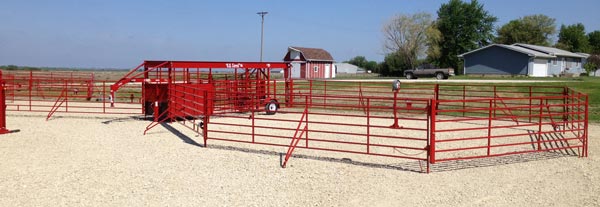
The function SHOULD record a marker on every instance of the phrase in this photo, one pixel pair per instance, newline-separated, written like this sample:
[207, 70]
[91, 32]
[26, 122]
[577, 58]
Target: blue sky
[121, 34]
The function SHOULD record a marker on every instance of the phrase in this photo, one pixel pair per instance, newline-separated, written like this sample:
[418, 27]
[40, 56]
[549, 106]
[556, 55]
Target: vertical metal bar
[306, 125]
[2, 106]
[572, 116]
[432, 115]
[530, 104]
[253, 109]
[428, 133]
[104, 96]
[565, 109]
[30, 87]
[495, 102]
[142, 99]
[310, 88]
[489, 132]
[464, 99]
[395, 111]
[275, 89]
[66, 96]
[437, 95]
[206, 118]
[539, 137]
[325, 94]
[368, 126]
[585, 127]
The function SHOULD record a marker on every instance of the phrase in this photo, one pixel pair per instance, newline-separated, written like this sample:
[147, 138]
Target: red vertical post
[310, 88]
[395, 111]
[495, 104]
[275, 89]
[566, 109]
[368, 126]
[66, 96]
[428, 134]
[253, 109]
[530, 104]
[104, 95]
[489, 132]
[30, 87]
[436, 95]
[539, 138]
[432, 117]
[464, 96]
[571, 116]
[206, 117]
[585, 127]
[306, 125]
[325, 94]
[3, 129]
[268, 82]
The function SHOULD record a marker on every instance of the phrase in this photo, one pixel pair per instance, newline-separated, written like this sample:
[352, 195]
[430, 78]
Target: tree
[362, 62]
[593, 63]
[594, 40]
[372, 66]
[359, 61]
[393, 65]
[12, 67]
[573, 38]
[408, 36]
[464, 27]
[533, 29]
[434, 38]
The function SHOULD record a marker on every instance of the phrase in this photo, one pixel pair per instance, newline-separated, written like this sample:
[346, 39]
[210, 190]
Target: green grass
[587, 85]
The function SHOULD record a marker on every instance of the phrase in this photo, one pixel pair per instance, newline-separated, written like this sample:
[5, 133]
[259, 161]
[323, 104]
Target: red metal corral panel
[192, 100]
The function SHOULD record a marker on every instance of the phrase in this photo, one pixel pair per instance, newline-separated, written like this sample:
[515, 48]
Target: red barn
[310, 63]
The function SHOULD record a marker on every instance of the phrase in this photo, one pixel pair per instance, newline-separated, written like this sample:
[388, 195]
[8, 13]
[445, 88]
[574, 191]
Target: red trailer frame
[237, 81]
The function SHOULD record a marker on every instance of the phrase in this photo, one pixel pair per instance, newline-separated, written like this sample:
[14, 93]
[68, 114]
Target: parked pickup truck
[438, 73]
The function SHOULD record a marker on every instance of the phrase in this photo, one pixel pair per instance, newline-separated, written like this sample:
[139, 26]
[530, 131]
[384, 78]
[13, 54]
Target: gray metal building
[522, 59]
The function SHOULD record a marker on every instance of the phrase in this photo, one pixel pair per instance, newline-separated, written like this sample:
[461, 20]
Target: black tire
[409, 76]
[440, 76]
[271, 107]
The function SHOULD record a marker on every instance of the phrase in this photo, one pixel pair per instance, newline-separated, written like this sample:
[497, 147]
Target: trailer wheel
[271, 107]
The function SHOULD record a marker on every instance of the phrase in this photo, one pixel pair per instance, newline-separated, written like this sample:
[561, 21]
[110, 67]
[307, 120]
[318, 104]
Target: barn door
[303, 72]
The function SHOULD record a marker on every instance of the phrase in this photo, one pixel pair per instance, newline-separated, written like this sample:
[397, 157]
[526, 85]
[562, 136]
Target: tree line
[411, 40]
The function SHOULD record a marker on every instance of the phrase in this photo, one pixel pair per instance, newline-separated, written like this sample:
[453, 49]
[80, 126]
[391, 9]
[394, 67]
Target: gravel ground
[90, 160]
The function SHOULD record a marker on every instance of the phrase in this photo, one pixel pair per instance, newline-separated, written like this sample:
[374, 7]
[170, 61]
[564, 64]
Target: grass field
[588, 85]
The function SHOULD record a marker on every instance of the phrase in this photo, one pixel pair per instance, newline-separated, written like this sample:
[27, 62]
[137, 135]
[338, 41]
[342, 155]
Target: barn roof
[313, 53]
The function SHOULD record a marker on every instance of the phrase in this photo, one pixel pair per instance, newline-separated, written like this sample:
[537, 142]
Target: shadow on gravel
[124, 119]
[496, 161]
[410, 166]
[181, 136]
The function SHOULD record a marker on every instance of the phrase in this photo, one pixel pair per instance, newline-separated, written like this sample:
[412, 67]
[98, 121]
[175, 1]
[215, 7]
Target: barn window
[554, 61]
[316, 69]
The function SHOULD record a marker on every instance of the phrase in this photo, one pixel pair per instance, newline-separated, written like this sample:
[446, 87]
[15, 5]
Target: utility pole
[262, 27]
